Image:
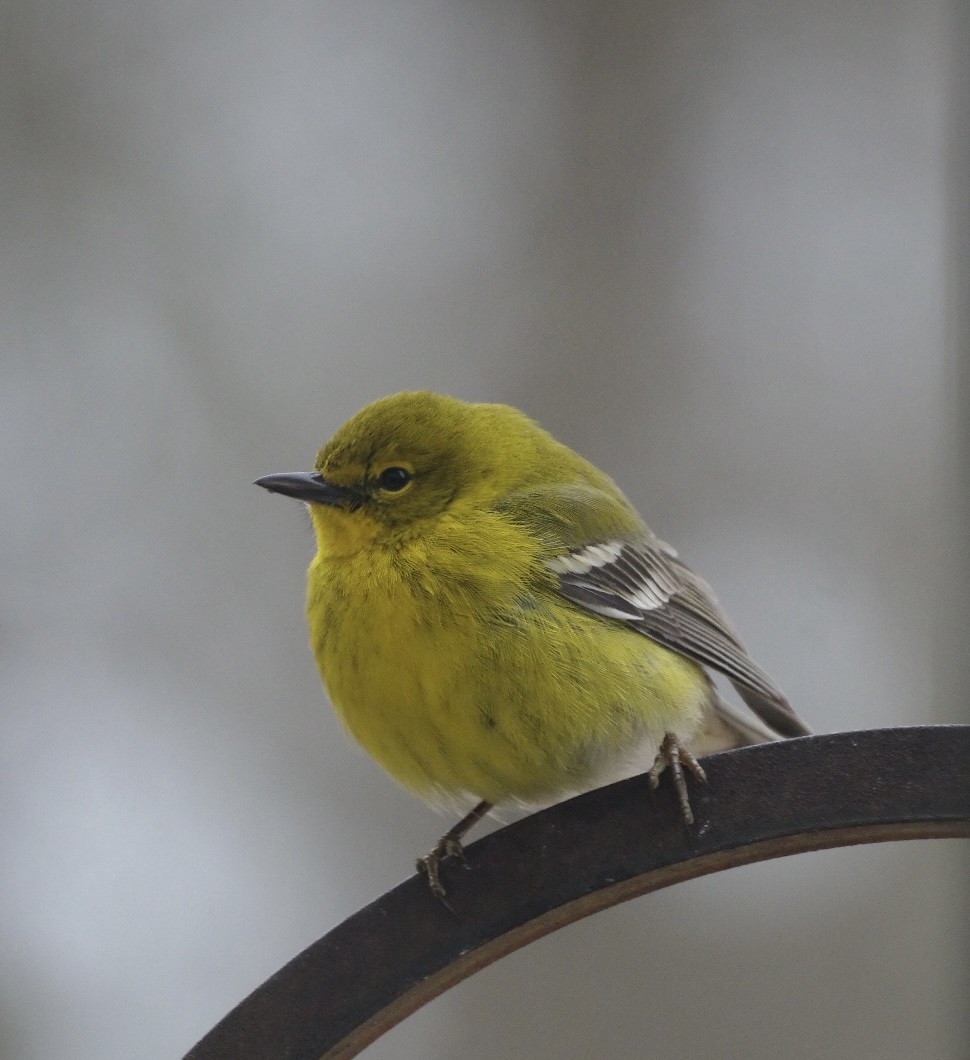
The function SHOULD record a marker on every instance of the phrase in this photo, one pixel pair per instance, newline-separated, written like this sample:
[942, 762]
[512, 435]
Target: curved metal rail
[595, 851]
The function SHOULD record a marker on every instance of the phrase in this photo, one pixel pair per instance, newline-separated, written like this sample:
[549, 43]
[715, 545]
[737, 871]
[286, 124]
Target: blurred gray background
[707, 244]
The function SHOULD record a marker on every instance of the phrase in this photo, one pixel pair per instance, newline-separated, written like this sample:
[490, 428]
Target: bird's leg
[449, 846]
[675, 756]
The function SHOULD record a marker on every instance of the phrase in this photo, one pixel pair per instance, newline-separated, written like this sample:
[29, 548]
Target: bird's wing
[642, 583]
[607, 561]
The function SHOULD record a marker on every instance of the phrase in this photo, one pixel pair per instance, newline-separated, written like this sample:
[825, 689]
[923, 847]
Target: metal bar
[591, 852]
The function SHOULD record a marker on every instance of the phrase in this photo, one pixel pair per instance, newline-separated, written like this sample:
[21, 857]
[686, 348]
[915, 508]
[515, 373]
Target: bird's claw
[430, 865]
[674, 756]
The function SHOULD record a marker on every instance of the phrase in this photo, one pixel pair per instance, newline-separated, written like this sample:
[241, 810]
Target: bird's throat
[343, 534]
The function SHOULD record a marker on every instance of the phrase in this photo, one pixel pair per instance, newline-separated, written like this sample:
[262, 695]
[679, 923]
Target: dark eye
[394, 478]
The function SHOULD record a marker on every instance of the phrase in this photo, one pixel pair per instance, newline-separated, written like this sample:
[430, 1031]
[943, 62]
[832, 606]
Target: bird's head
[406, 459]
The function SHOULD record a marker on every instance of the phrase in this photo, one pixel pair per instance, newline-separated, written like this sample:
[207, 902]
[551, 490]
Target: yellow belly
[454, 695]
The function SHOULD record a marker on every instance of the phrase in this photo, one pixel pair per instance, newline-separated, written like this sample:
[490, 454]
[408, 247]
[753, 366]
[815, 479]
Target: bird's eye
[394, 478]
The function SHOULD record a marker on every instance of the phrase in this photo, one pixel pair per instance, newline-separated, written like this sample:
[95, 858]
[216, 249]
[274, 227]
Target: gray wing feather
[644, 584]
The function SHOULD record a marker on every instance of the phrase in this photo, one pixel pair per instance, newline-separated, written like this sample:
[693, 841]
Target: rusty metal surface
[584, 855]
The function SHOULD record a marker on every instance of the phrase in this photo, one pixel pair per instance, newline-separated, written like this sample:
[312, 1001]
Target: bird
[495, 623]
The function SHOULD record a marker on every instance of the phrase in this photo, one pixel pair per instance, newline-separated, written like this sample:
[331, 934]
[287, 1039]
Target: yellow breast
[463, 677]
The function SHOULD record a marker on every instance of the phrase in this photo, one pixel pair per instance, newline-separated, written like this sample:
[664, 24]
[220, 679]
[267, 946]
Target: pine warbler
[493, 620]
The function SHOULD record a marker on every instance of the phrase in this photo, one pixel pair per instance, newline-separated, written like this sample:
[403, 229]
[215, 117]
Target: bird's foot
[674, 756]
[446, 847]
[449, 846]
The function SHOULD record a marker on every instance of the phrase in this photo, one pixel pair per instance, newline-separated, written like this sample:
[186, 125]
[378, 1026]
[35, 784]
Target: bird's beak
[310, 487]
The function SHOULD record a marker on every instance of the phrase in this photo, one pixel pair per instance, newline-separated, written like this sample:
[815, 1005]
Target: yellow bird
[493, 621]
